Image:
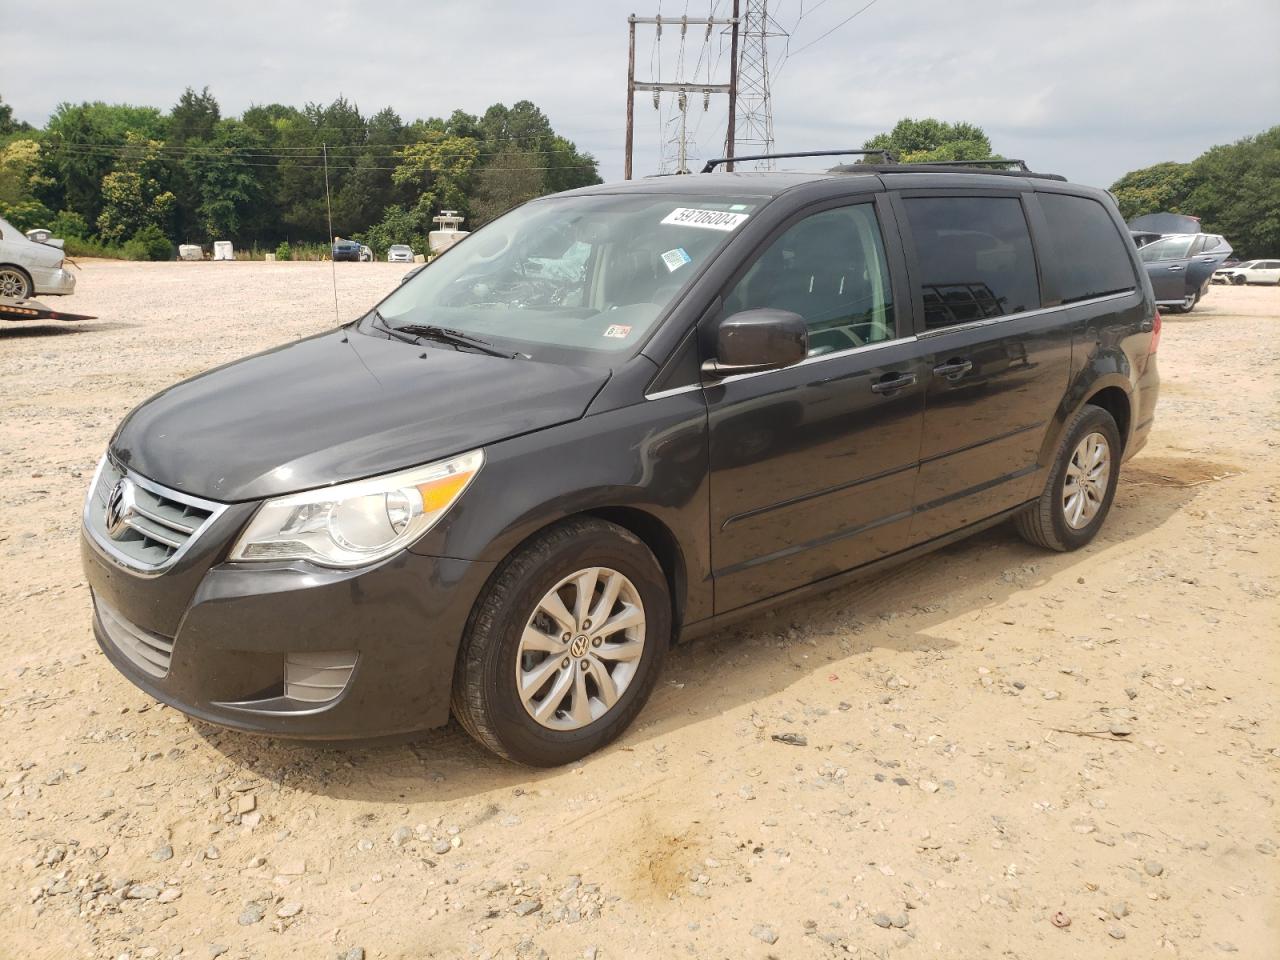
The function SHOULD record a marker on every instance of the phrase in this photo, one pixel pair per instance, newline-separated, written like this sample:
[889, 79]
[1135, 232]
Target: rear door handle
[893, 381]
[953, 369]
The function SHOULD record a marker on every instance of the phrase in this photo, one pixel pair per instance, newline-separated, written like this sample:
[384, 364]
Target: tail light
[1155, 334]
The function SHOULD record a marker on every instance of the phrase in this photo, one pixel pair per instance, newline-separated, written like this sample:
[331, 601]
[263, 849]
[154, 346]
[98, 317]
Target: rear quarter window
[1089, 256]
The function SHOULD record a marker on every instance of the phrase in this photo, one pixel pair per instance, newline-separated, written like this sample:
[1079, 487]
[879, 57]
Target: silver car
[30, 269]
[399, 253]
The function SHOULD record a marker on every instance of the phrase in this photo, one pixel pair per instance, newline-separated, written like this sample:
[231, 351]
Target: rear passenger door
[996, 362]
[813, 466]
[1166, 261]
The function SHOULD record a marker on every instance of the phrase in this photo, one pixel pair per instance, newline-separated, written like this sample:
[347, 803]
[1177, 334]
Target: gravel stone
[252, 914]
[762, 932]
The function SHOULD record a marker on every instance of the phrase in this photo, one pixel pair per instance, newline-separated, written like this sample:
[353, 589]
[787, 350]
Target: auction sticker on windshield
[705, 219]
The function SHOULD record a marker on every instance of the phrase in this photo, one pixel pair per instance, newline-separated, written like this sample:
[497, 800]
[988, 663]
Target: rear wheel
[565, 644]
[14, 283]
[1080, 487]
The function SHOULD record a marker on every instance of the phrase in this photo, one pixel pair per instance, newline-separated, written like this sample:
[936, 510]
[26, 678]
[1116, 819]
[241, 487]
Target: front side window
[830, 269]
[1090, 258]
[1170, 248]
[571, 279]
[975, 258]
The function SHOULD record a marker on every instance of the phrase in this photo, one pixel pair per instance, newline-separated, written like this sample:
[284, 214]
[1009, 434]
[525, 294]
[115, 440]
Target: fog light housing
[318, 677]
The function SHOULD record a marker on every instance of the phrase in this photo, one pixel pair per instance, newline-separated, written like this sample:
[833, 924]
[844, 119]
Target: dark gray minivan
[609, 420]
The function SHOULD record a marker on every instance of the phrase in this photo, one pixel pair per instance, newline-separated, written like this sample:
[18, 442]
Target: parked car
[504, 493]
[399, 253]
[31, 269]
[1251, 271]
[42, 235]
[366, 254]
[345, 250]
[1180, 266]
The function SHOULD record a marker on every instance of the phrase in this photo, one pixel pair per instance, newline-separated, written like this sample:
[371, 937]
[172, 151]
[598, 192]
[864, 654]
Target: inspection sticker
[675, 259]
[705, 219]
[618, 331]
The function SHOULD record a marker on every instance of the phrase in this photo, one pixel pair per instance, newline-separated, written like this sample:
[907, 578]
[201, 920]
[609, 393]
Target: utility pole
[755, 103]
[731, 131]
[681, 88]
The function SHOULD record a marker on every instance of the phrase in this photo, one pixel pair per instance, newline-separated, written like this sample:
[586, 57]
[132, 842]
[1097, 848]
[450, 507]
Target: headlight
[352, 524]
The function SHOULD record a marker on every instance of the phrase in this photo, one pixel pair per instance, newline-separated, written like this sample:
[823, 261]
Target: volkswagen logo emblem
[119, 508]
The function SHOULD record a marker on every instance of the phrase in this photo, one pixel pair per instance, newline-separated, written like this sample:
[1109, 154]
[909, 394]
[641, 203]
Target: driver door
[1167, 261]
[813, 466]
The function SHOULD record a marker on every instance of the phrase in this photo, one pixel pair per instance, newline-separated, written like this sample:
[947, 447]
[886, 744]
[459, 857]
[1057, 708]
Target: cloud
[1086, 88]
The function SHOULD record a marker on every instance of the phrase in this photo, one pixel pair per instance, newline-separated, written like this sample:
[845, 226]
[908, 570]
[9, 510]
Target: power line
[851, 16]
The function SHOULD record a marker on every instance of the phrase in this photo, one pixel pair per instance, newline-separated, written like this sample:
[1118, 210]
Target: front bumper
[399, 622]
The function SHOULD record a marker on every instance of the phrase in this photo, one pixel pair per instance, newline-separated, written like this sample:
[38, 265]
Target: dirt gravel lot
[995, 735]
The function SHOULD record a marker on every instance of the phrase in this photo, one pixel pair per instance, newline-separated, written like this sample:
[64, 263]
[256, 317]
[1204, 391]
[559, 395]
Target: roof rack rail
[992, 162]
[888, 156]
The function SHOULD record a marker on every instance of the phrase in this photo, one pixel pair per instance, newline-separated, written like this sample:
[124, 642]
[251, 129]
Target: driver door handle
[1175, 267]
[953, 369]
[893, 381]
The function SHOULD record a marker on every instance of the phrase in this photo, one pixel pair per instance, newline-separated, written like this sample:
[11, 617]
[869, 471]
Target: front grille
[156, 524]
[147, 651]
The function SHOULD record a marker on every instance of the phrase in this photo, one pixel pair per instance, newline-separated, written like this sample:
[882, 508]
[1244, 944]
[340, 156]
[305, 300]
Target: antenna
[333, 264]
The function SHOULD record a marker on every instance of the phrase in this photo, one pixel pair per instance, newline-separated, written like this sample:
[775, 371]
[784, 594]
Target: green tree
[21, 180]
[7, 124]
[919, 141]
[226, 187]
[1234, 189]
[1160, 188]
[133, 196]
[513, 178]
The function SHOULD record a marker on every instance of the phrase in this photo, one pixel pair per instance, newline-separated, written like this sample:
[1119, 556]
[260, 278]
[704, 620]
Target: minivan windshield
[574, 279]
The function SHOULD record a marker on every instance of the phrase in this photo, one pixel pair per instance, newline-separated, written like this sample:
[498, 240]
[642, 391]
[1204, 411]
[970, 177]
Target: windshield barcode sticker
[675, 259]
[705, 219]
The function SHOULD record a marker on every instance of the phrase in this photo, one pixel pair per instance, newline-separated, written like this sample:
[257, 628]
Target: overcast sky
[1087, 88]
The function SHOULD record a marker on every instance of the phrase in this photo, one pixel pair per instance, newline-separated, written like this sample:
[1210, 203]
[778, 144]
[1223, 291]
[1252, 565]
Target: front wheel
[1080, 487]
[565, 644]
[1238, 281]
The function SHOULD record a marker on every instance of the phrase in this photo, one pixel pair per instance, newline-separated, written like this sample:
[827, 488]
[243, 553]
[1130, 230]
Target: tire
[1049, 522]
[1238, 281]
[496, 654]
[15, 283]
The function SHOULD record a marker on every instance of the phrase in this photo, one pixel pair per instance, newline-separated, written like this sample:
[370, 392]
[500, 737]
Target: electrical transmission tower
[688, 89]
[754, 127]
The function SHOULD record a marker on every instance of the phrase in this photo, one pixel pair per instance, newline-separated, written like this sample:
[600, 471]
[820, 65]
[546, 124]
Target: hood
[340, 407]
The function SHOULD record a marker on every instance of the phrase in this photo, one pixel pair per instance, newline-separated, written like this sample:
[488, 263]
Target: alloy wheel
[1085, 484]
[580, 649]
[14, 285]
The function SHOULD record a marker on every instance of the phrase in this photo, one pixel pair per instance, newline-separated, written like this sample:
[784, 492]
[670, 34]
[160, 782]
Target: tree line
[1234, 189]
[145, 179]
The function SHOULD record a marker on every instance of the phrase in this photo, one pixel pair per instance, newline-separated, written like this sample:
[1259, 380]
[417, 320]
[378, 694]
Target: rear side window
[1170, 248]
[975, 258]
[1090, 258]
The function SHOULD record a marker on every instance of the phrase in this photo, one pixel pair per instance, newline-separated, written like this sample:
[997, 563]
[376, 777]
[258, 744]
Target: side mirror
[757, 340]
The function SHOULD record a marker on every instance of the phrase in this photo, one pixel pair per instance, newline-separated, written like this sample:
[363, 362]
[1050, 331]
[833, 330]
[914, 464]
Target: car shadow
[735, 667]
[25, 328]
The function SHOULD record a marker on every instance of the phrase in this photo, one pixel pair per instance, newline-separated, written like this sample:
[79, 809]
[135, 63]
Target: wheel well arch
[1116, 402]
[22, 270]
[657, 536]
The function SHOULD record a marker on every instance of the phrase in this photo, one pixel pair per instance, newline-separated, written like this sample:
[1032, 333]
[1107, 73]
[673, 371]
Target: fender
[1107, 367]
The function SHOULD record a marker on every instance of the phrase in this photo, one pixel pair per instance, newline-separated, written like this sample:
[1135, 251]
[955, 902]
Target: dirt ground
[996, 736]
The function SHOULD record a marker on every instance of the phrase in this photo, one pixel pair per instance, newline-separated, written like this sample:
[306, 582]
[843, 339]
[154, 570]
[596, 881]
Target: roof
[771, 183]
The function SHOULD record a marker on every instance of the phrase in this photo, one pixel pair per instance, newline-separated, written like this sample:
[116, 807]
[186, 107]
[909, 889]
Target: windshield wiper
[381, 324]
[457, 338]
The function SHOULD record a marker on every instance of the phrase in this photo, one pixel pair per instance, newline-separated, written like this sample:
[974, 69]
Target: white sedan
[30, 269]
[1251, 271]
[399, 253]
